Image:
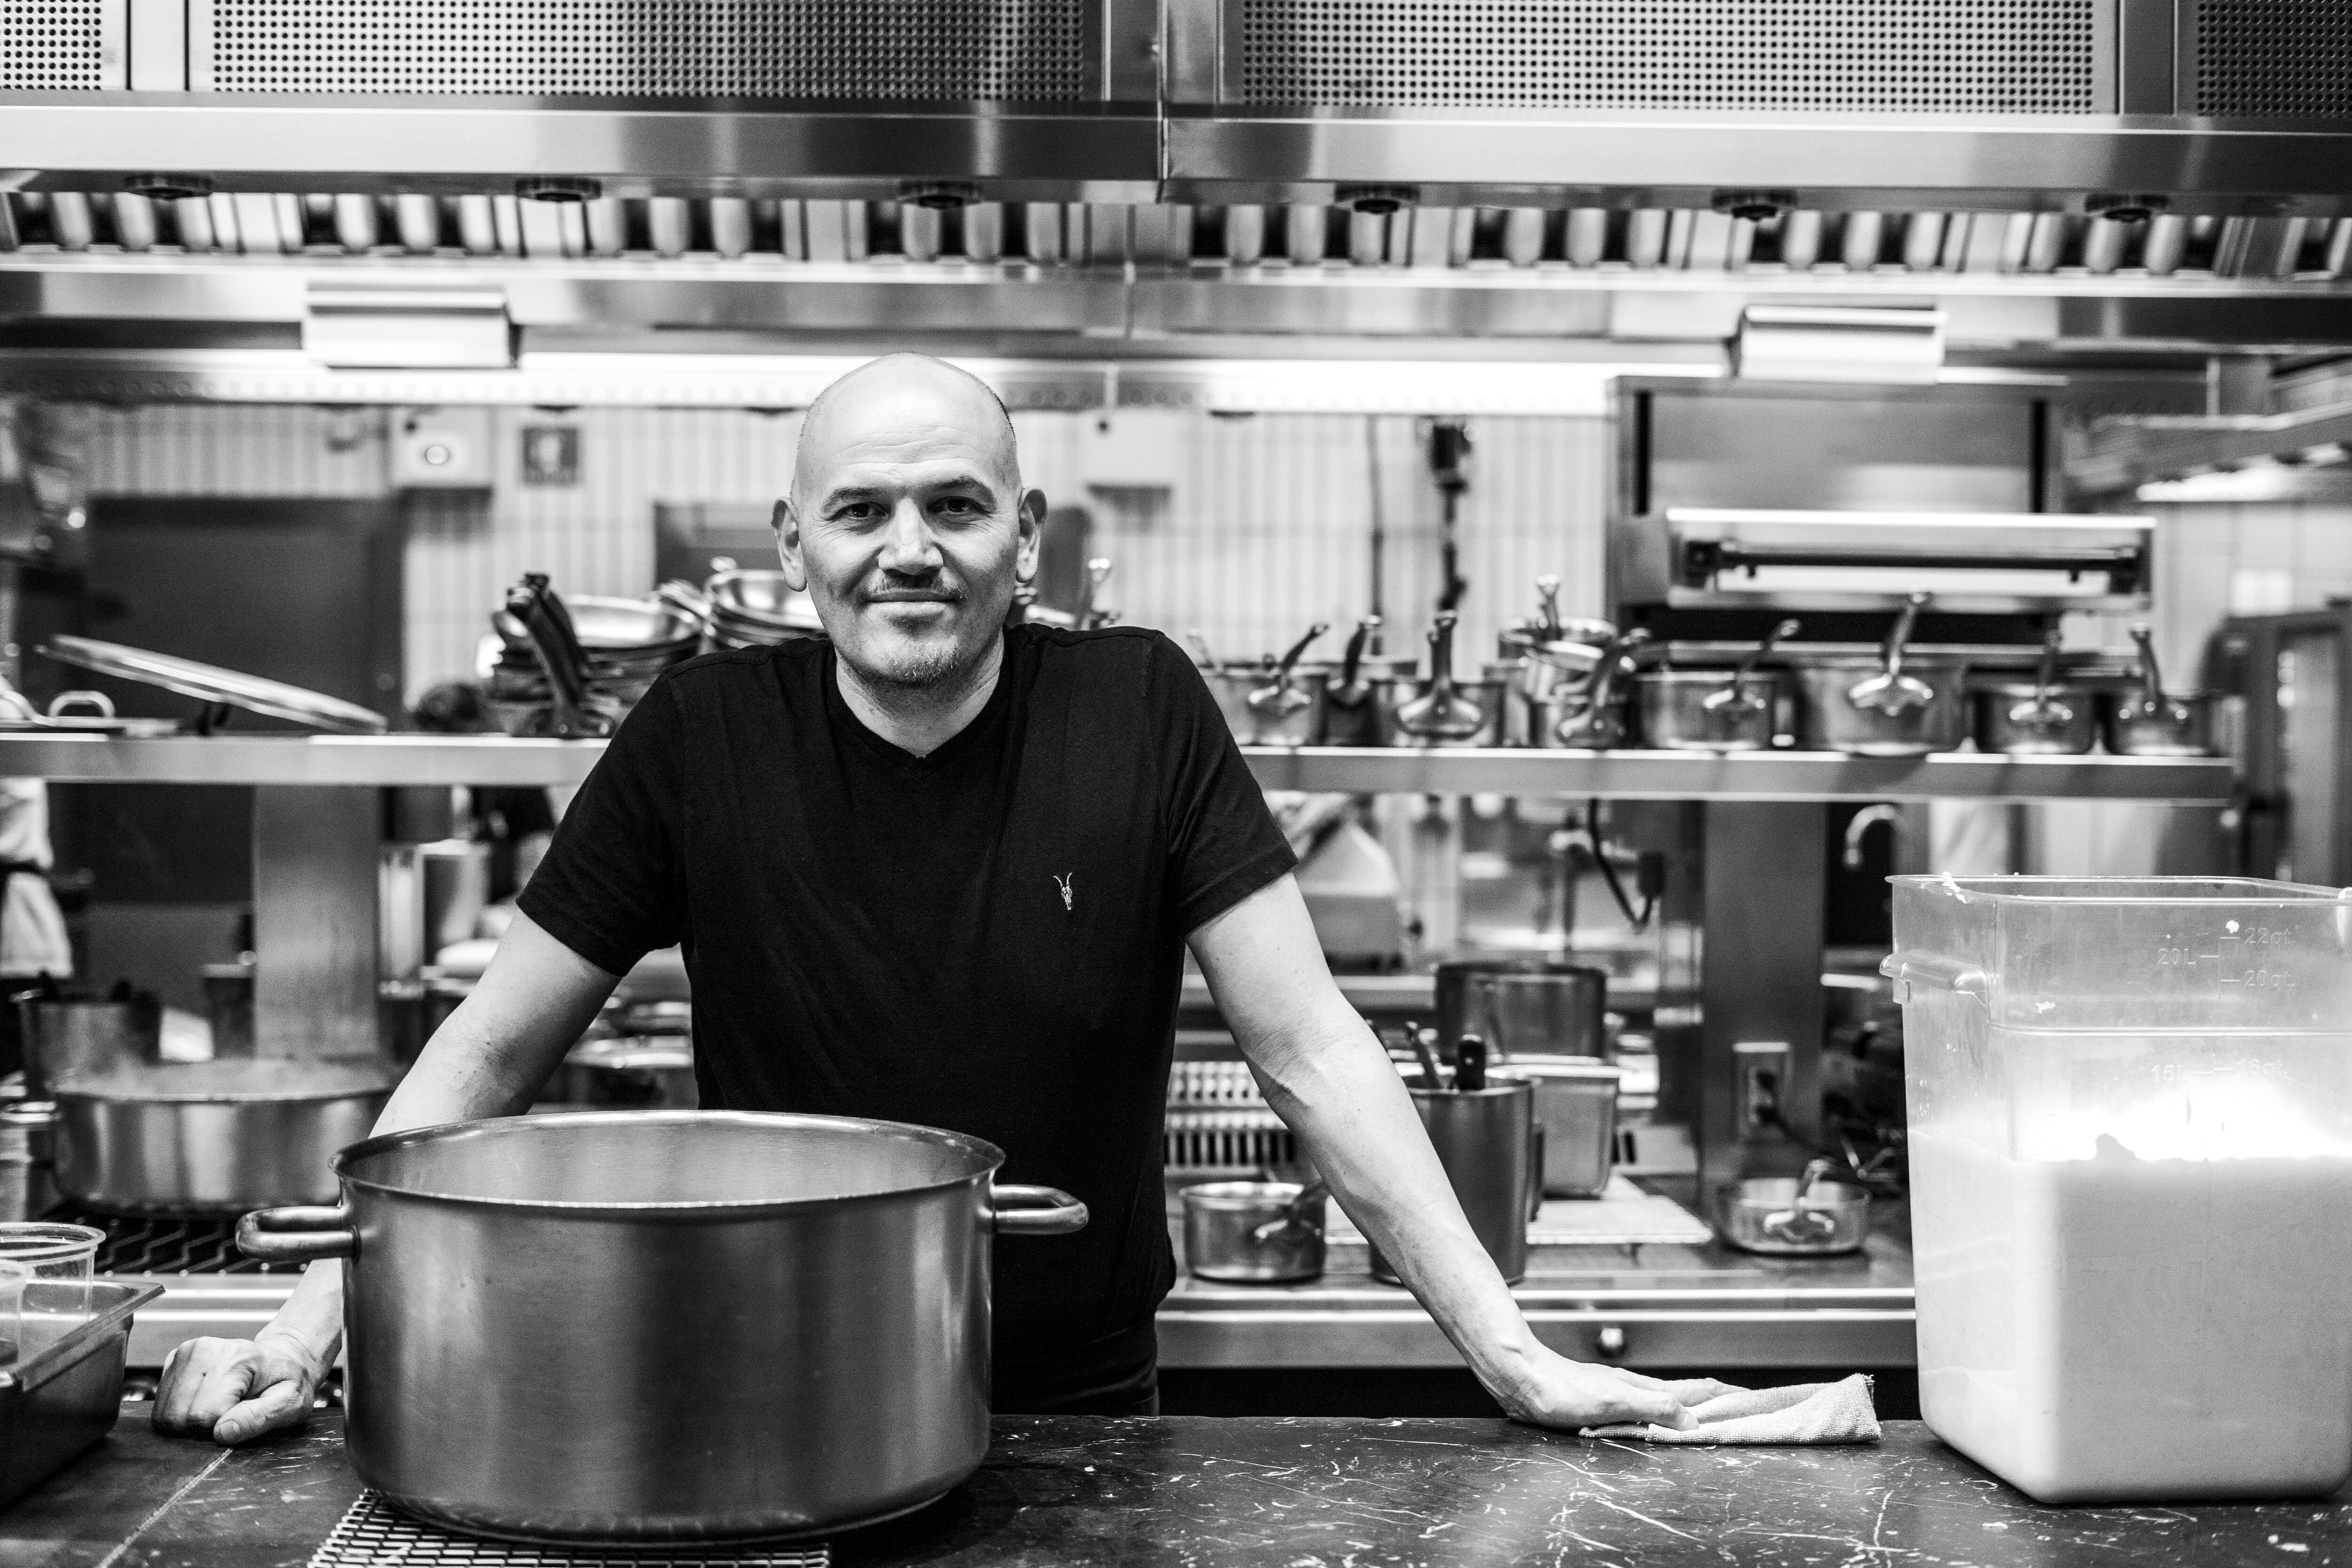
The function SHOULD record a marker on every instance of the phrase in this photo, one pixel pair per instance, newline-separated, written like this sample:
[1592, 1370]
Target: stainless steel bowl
[1242, 1233]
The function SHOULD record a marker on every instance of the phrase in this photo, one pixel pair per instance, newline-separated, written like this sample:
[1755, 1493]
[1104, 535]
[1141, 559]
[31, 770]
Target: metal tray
[64, 1391]
[211, 683]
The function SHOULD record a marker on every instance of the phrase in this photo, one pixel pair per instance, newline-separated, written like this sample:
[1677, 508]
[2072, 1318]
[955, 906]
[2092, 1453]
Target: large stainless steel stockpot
[679, 1324]
[211, 1137]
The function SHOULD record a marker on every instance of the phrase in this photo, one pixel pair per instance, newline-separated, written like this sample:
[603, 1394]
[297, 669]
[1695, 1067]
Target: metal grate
[1199, 1142]
[169, 1245]
[372, 1535]
[991, 49]
[2275, 59]
[1916, 56]
[52, 44]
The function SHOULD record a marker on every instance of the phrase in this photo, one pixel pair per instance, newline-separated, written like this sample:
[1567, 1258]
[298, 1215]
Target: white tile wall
[1267, 529]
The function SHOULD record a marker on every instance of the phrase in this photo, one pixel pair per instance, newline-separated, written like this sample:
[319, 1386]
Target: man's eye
[956, 506]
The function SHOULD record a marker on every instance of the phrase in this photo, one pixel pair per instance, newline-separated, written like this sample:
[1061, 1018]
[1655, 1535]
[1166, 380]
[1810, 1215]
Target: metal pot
[1895, 705]
[1254, 1233]
[1442, 710]
[69, 1037]
[625, 1326]
[1354, 694]
[1524, 1006]
[2041, 718]
[1589, 717]
[1576, 1112]
[647, 1071]
[1795, 1216]
[216, 1137]
[1706, 711]
[2151, 723]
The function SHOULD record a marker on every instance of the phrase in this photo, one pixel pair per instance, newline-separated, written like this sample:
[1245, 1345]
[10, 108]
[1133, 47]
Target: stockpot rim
[989, 1156]
[61, 1093]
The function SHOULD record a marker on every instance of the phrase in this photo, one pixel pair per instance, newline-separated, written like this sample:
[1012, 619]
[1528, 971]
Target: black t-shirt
[988, 939]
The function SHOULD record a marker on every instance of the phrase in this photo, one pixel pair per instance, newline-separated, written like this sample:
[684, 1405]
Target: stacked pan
[749, 608]
[606, 655]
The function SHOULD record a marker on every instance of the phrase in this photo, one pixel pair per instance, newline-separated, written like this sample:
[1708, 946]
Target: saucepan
[1352, 694]
[1897, 705]
[1442, 710]
[1590, 717]
[1706, 711]
[1255, 1233]
[625, 1326]
[1272, 701]
[2150, 722]
[1796, 1216]
[2041, 718]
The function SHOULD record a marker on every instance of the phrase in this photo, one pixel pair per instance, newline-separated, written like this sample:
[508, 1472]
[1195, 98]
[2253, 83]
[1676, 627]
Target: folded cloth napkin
[1802, 1413]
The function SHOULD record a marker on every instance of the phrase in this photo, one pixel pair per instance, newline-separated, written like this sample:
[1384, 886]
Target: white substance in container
[2098, 1326]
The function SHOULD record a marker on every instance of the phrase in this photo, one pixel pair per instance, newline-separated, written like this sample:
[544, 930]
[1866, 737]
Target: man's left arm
[1329, 1080]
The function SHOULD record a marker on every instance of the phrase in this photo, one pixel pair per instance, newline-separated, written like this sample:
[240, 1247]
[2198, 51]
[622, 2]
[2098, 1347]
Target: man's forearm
[1335, 1089]
[487, 1059]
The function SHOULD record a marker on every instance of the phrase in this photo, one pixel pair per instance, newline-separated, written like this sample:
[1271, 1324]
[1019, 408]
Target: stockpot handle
[1019, 1210]
[298, 1235]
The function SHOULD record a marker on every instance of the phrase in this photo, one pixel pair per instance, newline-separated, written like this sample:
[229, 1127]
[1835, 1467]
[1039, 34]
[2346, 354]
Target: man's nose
[908, 546]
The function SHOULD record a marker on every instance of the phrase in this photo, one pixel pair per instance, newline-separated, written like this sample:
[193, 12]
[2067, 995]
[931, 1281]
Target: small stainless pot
[1794, 1217]
[1832, 721]
[2149, 723]
[2025, 719]
[2178, 724]
[647, 1071]
[1244, 1233]
[1701, 711]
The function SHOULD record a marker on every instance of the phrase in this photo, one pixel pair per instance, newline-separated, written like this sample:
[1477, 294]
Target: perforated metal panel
[930, 50]
[371, 1535]
[2275, 59]
[1919, 56]
[52, 44]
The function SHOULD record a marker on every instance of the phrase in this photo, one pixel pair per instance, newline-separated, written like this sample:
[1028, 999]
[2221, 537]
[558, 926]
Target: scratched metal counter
[1202, 1492]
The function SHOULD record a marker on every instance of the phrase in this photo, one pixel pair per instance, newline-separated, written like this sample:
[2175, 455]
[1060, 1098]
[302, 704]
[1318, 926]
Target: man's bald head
[908, 522]
[900, 392]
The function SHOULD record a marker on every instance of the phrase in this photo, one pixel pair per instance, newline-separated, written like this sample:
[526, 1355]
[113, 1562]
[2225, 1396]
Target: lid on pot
[656, 1162]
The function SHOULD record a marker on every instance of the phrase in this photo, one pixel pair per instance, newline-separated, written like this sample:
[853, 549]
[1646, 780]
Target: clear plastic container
[2131, 1174]
[50, 1251]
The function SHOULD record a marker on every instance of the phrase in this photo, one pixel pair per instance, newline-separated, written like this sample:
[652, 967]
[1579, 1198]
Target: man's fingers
[280, 1405]
[192, 1368]
[224, 1386]
[1654, 1409]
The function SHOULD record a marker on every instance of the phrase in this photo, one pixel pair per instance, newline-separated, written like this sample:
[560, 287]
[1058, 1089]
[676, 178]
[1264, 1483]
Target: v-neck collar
[845, 720]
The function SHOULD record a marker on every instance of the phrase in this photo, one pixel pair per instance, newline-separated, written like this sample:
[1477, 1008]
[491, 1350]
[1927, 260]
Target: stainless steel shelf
[352, 760]
[1768, 775]
[341, 759]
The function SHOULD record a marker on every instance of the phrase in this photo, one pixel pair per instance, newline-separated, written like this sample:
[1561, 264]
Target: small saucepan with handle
[2043, 718]
[2152, 722]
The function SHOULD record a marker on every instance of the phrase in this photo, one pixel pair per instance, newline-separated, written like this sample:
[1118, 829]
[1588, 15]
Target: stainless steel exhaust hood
[1743, 107]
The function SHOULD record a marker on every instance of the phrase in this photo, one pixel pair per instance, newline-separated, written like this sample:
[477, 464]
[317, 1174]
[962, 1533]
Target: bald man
[932, 870]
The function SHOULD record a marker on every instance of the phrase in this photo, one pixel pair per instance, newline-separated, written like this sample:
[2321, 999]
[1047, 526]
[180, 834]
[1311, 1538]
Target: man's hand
[1552, 1391]
[236, 1389]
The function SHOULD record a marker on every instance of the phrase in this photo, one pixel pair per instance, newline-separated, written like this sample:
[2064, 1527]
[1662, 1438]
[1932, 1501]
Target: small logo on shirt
[1063, 882]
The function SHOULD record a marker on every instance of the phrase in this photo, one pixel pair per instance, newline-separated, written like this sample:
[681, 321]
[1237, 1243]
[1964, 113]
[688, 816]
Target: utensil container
[1575, 1121]
[1485, 1139]
[1239, 1233]
[2130, 1107]
[64, 1390]
[664, 1324]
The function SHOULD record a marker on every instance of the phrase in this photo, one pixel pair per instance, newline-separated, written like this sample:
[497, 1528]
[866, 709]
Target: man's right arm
[488, 1059]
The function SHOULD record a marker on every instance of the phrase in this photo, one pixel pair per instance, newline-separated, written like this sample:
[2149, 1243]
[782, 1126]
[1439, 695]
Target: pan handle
[297, 1234]
[1032, 1211]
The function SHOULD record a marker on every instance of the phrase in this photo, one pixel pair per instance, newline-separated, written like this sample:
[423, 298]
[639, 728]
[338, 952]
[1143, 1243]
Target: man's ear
[788, 546]
[1032, 512]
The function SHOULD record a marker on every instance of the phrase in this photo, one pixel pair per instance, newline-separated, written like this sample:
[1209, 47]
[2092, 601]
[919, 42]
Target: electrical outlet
[1763, 1084]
